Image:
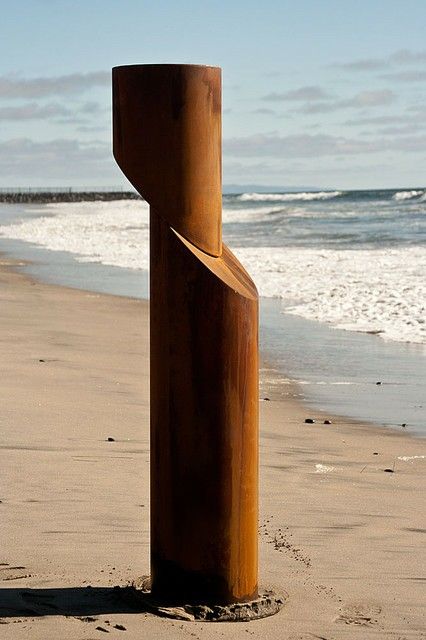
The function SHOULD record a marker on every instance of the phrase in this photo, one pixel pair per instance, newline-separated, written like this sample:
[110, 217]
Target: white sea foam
[408, 195]
[380, 291]
[113, 233]
[323, 468]
[411, 458]
[290, 197]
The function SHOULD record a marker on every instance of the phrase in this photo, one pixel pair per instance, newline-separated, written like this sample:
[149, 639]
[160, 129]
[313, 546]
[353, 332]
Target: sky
[324, 93]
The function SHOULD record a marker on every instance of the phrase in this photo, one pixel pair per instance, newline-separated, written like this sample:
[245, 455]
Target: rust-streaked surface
[167, 141]
[204, 339]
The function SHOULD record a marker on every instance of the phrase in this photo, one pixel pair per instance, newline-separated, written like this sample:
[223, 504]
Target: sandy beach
[339, 536]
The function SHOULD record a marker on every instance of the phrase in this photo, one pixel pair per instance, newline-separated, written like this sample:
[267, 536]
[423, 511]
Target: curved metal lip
[167, 64]
[225, 267]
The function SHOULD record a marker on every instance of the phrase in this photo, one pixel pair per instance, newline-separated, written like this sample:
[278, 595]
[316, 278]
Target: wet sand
[338, 534]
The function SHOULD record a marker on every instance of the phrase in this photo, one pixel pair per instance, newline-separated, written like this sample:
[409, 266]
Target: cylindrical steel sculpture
[204, 339]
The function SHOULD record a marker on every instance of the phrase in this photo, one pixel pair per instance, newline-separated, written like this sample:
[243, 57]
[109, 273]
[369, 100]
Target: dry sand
[338, 534]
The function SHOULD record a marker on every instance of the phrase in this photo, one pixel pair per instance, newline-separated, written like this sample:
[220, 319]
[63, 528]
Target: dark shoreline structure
[49, 195]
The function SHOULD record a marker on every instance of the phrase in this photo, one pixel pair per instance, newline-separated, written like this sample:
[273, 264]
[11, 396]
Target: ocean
[341, 275]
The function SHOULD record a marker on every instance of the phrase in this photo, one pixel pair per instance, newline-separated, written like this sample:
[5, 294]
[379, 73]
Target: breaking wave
[408, 195]
[289, 197]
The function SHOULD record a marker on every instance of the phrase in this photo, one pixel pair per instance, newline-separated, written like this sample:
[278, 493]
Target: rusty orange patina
[204, 339]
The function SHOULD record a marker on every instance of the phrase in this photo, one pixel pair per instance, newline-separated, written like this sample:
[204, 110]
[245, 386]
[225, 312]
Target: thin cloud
[56, 159]
[247, 170]
[380, 120]
[416, 114]
[311, 146]
[371, 99]
[54, 111]
[317, 107]
[405, 130]
[362, 100]
[405, 76]
[405, 56]
[264, 111]
[366, 64]
[419, 111]
[90, 108]
[84, 128]
[13, 87]
[303, 93]
[33, 111]
[401, 57]
[295, 146]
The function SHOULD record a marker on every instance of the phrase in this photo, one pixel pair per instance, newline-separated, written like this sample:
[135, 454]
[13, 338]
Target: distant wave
[289, 197]
[250, 213]
[408, 195]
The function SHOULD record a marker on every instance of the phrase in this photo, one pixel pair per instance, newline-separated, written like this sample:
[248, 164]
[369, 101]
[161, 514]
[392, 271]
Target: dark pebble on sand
[404, 424]
[378, 382]
[41, 360]
[389, 470]
[309, 420]
[102, 629]
[327, 421]
[267, 399]
[110, 439]
[120, 627]
[375, 453]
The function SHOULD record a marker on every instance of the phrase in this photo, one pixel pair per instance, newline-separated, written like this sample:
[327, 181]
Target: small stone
[327, 421]
[404, 424]
[378, 382]
[389, 470]
[267, 399]
[88, 619]
[309, 420]
[41, 360]
[110, 439]
[120, 627]
[102, 629]
[375, 453]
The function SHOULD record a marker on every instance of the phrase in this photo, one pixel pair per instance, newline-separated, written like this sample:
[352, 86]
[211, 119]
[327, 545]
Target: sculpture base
[138, 593]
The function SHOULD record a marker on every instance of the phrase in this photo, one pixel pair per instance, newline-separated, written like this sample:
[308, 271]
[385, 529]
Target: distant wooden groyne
[46, 196]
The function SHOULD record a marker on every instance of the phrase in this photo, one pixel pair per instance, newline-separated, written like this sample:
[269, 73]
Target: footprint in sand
[360, 614]
[16, 572]
[308, 636]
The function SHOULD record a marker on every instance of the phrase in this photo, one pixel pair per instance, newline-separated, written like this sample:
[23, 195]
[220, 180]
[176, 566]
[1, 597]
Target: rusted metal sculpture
[204, 339]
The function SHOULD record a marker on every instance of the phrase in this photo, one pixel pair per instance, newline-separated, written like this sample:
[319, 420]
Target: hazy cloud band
[13, 87]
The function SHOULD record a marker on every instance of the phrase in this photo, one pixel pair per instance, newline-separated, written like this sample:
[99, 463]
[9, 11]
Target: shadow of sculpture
[69, 601]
